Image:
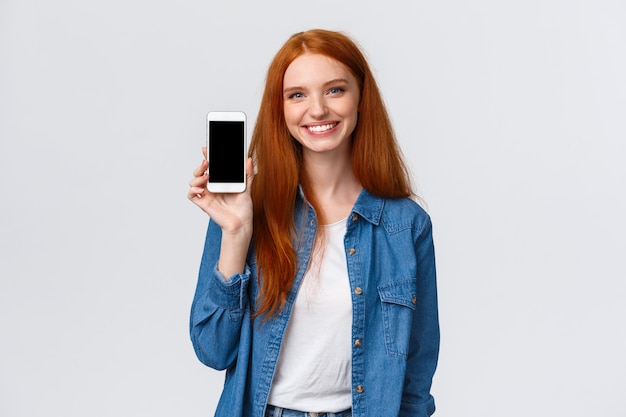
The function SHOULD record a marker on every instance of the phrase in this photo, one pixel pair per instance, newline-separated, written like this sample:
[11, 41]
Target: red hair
[376, 160]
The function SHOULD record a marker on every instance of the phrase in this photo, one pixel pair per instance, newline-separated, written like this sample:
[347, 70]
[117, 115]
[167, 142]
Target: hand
[231, 211]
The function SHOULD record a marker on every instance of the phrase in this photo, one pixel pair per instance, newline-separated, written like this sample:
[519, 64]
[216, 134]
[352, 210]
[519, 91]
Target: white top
[313, 372]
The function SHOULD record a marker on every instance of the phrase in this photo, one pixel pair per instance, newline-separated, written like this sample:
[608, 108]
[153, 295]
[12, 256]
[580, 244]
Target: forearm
[233, 251]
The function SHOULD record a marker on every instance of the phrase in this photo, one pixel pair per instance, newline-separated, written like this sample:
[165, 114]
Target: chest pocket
[398, 305]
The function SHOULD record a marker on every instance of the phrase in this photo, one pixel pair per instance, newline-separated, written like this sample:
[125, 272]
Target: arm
[220, 299]
[424, 342]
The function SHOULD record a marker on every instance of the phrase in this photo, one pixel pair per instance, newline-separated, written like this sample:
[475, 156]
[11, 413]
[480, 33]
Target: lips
[321, 128]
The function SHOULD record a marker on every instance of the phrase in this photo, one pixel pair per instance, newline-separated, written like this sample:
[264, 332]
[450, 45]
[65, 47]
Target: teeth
[321, 128]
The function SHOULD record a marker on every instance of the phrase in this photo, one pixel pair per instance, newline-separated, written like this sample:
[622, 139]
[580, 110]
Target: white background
[511, 113]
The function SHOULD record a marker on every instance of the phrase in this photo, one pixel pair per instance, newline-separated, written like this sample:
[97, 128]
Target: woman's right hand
[231, 211]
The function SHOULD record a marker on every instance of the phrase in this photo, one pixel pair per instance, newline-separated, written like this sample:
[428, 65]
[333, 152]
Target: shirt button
[414, 300]
[358, 343]
[359, 389]
[352, 251]
[358, 291]
[355, 218]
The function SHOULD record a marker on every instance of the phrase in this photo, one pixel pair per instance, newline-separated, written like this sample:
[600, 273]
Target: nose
[318, 108]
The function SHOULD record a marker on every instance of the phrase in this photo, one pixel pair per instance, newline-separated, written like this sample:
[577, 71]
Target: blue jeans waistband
[272, 411]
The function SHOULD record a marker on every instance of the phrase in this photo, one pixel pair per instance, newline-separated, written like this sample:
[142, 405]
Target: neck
[332, 182]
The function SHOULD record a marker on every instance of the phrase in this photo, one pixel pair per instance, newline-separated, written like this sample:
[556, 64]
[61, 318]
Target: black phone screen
[226, 150]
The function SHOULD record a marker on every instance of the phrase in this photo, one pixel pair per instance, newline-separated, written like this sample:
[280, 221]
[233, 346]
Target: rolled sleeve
[218, 308]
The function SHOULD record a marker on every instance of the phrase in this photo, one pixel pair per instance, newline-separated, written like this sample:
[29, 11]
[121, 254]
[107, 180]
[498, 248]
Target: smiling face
[321, 101]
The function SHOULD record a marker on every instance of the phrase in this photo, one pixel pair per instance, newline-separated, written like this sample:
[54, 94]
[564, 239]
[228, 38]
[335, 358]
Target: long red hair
[376, 160]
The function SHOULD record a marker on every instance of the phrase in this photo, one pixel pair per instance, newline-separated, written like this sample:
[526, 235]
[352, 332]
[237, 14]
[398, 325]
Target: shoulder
[404, 213]
[406, 206]
[394, 214]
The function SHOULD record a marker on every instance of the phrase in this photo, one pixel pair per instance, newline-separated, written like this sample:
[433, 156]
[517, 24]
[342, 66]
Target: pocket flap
[399, 292]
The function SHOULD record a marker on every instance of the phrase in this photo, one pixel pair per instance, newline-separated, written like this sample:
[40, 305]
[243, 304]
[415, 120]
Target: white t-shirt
[314, 366]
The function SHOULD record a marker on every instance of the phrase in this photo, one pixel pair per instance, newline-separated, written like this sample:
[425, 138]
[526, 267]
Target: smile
[321, 128]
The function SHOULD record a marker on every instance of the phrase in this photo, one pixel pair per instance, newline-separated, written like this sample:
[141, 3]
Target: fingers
[202, 169]
[197, 185]
[195, 195]
[196, 190]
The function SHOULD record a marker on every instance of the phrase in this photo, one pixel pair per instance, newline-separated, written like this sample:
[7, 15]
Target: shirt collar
[367, 205]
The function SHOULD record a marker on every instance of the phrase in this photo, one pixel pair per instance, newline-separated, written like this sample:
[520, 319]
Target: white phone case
[226, 151]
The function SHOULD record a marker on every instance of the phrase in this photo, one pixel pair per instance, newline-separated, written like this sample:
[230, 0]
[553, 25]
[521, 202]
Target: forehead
[315, 69]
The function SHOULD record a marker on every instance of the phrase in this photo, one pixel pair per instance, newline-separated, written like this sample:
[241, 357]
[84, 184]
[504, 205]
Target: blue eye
[295, 95]
[336, 90]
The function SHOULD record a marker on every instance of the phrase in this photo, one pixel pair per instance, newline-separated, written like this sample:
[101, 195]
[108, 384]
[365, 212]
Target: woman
[317, 289]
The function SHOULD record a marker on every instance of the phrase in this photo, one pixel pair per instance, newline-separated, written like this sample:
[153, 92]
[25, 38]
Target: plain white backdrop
[511, 114]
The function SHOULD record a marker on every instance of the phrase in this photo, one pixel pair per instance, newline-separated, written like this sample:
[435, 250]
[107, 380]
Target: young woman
[317, 288]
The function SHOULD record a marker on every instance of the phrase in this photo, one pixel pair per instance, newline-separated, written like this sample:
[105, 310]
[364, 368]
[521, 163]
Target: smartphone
[226, 151]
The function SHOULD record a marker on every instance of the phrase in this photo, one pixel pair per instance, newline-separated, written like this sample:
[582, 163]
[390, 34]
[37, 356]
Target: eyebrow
[326, 84]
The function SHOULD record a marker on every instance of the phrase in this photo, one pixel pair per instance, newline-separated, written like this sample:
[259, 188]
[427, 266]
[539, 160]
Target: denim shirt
[395, 328]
